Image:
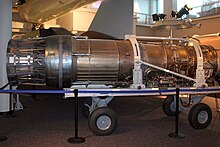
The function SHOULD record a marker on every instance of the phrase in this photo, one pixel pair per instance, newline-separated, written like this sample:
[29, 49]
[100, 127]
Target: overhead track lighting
[157, 17]
[183, 11]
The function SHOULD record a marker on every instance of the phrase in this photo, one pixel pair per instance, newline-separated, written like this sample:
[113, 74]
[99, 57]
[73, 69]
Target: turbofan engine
[62, 61]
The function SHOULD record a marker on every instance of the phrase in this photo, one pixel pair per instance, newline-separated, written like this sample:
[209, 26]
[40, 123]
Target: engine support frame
[137, 71]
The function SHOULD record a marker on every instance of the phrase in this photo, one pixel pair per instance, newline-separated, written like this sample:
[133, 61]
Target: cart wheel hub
[173, 106]
[103, 122]
[202, 117]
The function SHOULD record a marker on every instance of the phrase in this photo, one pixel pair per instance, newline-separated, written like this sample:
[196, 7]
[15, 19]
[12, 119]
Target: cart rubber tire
[167, 104]
[102, 121]
[200, 116]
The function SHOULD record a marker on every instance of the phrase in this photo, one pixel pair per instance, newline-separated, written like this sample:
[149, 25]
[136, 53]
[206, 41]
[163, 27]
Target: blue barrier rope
[126, 91]
[37, 91]
[147, 91]
[199, 90]
[106, 91]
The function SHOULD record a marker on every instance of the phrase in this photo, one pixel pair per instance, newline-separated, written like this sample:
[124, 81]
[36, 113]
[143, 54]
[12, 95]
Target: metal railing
[208, 9]
[143, 18]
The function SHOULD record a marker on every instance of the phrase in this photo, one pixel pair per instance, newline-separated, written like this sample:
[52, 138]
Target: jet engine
[63, 61]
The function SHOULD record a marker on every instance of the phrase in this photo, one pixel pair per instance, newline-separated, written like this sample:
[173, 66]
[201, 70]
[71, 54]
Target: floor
[48, 121]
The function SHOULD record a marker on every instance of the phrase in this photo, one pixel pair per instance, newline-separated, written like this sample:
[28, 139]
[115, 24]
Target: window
[148, 6]
[201, 7]
[143, 9]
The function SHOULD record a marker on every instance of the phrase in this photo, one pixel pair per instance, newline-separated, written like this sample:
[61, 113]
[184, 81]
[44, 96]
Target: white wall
[77, 20]
[51, 23]
[82, 20]
[66, 21]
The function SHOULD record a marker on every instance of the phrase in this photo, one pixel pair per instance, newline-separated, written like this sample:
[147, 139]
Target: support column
[134, 25]
[5, 36]
[169, 5]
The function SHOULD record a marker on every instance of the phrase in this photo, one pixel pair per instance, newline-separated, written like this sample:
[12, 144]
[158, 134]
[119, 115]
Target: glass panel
[141, 6]
[201, 8]
[143, 10]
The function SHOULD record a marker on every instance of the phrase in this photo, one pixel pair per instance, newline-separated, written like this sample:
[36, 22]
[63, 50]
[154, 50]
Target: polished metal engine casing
[62, 61]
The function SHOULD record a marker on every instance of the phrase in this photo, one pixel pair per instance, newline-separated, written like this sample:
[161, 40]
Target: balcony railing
[143, 19]
[208, 9]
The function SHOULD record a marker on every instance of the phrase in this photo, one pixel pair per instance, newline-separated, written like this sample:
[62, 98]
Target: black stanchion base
[174, 135]
[77, 140]
[3, 138]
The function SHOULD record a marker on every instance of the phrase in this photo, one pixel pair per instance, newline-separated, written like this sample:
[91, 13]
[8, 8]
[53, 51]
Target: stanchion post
[34, 95]
[176, 134]
[76, 139]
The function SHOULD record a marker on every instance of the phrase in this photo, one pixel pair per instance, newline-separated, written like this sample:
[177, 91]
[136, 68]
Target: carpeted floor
[49, 122]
